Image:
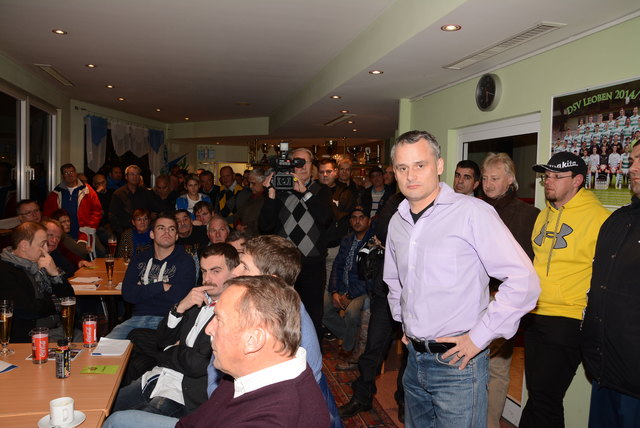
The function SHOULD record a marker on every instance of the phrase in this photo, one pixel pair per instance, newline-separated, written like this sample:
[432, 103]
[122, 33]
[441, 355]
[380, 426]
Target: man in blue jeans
[441, 249]
[156, 279]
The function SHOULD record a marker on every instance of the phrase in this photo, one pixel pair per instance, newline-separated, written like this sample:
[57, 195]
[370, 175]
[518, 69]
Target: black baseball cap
[563, 162]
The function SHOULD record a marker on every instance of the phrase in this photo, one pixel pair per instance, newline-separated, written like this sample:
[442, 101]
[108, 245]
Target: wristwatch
[174, 311]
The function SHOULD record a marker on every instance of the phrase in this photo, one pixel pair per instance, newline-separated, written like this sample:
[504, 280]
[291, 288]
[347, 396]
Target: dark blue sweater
[149, 296]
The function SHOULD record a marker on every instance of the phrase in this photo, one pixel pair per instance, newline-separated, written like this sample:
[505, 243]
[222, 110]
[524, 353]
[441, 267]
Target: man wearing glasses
[564, 238]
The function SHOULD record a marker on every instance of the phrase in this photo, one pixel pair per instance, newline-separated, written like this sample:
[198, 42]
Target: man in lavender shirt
[441, 249]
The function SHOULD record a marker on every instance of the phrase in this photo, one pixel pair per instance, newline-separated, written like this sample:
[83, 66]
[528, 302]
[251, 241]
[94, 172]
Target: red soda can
[89, 331]
[40, 345]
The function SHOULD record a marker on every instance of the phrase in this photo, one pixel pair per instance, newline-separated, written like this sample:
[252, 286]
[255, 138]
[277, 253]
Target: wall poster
[600, 125]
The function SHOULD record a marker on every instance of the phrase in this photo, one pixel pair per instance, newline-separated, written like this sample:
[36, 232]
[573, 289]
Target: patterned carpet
[340, 384]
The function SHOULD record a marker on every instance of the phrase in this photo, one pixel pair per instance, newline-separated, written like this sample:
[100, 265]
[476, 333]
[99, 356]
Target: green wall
[528, 87]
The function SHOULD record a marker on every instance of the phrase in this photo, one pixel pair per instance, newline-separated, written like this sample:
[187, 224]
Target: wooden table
[104, 289]
[27, 390]
[95, 418]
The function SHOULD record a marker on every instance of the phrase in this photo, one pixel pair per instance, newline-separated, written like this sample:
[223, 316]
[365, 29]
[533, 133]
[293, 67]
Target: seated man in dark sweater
[255, 337]
[156, 279]
[32, 280]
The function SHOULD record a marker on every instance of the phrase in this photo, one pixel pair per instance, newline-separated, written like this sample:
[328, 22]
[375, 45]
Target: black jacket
[610, 345]
[191, 362]
[19, 286]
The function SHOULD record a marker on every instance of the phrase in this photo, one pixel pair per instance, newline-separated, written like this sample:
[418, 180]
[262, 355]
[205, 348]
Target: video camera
[282, 166]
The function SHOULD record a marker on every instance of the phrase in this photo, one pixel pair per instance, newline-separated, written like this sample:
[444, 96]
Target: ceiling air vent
[47, 68]
[339, 119]
[525, 36]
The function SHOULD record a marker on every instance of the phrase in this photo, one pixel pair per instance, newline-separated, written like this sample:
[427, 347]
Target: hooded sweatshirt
[564, 242]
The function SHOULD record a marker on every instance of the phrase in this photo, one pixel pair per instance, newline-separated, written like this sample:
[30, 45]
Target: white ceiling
[198, 58]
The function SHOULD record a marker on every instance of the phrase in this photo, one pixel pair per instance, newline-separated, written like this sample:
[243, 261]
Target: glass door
[27, 142]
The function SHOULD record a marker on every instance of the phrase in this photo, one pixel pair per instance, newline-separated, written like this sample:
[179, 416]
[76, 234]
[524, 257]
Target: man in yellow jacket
[564, 238]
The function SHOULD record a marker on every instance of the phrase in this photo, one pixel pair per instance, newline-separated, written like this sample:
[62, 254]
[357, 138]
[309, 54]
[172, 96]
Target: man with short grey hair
[441, 249]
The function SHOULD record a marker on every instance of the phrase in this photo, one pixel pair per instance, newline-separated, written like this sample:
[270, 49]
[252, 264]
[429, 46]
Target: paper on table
[84, 286]
[86, 279]
[6, 367]
[99, 370]
[119, 286]
[110, 347]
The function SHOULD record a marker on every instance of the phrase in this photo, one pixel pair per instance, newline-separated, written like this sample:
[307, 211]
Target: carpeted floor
[340, 384]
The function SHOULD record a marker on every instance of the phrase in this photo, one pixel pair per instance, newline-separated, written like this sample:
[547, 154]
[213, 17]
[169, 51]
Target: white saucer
[78, 418]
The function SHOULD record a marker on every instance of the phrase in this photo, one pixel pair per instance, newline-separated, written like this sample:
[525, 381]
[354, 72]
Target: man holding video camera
[300, 210]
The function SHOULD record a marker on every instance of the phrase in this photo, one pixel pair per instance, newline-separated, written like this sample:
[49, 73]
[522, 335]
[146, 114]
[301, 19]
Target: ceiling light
[376, 72]
[344, 111]
[157, 109]
[186, 118]
[335, 97]
[90, 65]
[59, 32]
[349, 122]
[354, 130]
[451, 27]
[120, 99]
[109, 86]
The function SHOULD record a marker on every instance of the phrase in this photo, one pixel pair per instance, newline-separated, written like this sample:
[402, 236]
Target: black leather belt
[431, 347]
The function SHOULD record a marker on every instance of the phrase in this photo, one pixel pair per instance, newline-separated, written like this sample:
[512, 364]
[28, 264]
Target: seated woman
[136, 240]
[192, 197]
[68, 243]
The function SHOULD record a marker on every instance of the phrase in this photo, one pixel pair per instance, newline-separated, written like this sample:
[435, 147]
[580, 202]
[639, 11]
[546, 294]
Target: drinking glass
[68, 314]
[6, 315]
[108, 264]
[112, 243]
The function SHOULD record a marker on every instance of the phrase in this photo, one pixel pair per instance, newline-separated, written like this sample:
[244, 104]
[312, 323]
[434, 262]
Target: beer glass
[68, 314]
[6, 315]
[112, 243]
[109, 261]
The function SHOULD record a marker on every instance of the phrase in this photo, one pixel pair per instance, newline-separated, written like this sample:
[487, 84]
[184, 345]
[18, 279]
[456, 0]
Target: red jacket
[89, 208]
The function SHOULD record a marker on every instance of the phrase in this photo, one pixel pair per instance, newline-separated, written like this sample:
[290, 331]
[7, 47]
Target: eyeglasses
[37, 210]
[545, 178]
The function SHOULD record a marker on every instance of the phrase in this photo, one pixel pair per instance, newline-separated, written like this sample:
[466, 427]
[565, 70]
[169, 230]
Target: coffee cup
[61, 411]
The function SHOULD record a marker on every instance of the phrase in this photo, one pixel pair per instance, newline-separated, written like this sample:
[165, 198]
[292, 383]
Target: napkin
[110, 347]
[85, 279]
[6, 367]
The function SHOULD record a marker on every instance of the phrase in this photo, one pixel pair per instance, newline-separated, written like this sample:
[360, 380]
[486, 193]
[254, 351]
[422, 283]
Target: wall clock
[488, 92]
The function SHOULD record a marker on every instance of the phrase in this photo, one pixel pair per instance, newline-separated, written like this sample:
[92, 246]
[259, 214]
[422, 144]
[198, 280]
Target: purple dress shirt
[438, 271]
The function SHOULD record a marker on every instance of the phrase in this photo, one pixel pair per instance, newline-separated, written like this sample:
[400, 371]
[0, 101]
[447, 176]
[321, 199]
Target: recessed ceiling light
[349, 122]
[120, 99]
[186, 118]
[376, 72]
[217, 142]
[90, 65]
[59, 32]
[354, 130]
[451, 27]
[335, 97]
[157, 109]
[344, 111]
[109, 86]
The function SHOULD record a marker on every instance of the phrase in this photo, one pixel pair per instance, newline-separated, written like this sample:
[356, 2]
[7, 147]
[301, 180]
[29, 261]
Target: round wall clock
[488, 92]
